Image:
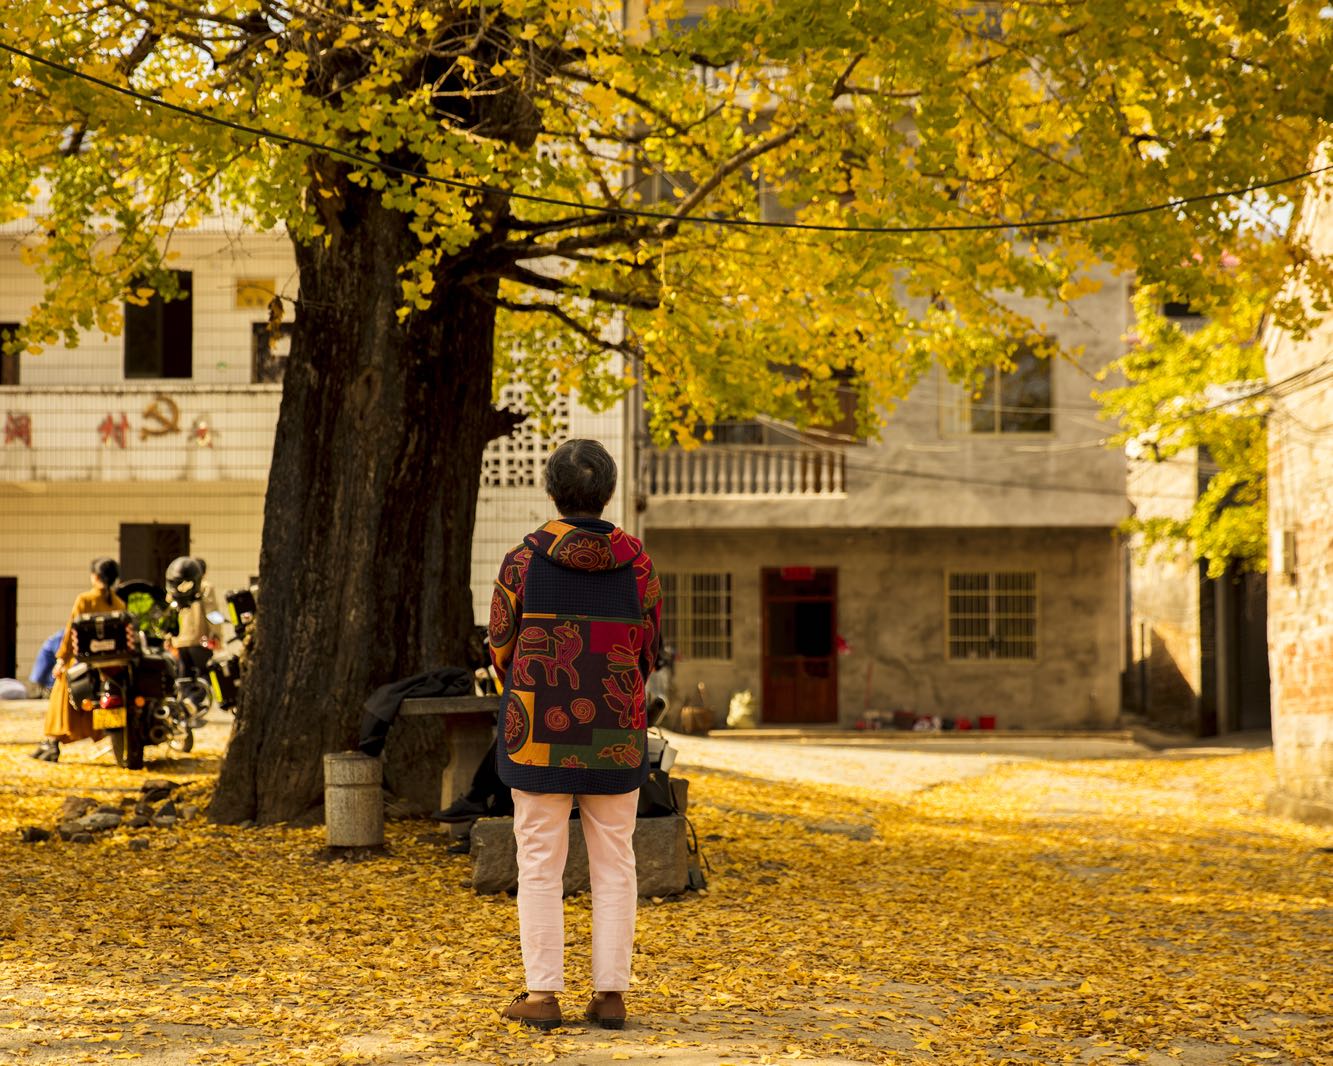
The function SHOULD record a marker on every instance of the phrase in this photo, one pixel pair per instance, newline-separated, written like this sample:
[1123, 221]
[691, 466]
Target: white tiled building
[156, 442]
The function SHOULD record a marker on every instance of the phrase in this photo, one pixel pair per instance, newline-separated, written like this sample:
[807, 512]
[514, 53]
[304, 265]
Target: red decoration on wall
[18, 427]
[113, 431]
[161, 417]
[202, 433]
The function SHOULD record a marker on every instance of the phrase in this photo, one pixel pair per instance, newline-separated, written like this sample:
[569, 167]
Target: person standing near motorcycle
[574, 632]
[66, 723]
[198, 635]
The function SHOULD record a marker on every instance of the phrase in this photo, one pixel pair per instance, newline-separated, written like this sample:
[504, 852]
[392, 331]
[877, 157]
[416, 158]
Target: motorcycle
[155, 617]
[129, 687]
[224, 668]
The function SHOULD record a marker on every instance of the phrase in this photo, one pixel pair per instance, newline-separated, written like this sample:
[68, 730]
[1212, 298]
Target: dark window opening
[10, 365]
[9, 626]
[1014, 401]
[146, 550]
[842, 427]
[1183, 316]
[159, 334]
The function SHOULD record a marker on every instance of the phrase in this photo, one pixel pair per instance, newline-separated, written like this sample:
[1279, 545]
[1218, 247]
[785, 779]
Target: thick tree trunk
[365, 568]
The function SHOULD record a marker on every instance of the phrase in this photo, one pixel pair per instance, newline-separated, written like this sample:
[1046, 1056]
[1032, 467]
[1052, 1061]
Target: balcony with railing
[722, 470]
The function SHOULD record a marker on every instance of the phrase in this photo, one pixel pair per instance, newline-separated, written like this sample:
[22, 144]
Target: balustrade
[731, 470]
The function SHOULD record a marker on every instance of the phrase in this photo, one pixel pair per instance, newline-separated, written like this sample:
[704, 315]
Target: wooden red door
[800, 614]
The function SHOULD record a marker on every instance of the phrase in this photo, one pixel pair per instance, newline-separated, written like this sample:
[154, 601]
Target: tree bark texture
[365, 567]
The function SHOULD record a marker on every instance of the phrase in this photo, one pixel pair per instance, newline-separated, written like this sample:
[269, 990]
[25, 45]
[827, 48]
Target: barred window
[696, 615]
[993, 615]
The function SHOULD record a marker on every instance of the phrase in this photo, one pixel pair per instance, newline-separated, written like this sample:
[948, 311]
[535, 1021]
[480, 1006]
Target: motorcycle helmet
[183, 578]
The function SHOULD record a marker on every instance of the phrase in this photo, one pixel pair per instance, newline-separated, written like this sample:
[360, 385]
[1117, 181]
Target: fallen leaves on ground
[1111, 911]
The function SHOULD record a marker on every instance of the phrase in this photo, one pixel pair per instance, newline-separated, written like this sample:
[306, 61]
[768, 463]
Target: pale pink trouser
[541, 827]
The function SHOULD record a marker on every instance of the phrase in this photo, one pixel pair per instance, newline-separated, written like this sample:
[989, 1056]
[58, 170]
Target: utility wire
[616, 211]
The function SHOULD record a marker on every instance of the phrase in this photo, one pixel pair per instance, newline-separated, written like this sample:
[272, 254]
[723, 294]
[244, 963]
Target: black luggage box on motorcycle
[241, 609]
[155, 677]
[224, 674]
[103, 639]
[83, 684]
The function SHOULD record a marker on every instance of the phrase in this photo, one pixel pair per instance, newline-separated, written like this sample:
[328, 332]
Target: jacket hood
[585, 544]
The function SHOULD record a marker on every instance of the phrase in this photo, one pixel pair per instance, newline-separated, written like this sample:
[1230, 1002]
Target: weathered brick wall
[1300, 603]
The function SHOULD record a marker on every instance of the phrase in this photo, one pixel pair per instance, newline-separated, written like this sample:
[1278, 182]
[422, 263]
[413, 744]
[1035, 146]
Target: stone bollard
[353, 802]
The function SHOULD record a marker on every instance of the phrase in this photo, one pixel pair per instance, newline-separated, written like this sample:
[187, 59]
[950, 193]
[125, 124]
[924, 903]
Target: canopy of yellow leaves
[1115, 911]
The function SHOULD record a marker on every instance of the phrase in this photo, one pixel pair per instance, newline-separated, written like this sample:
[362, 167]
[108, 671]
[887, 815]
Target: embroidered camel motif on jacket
[555, 653]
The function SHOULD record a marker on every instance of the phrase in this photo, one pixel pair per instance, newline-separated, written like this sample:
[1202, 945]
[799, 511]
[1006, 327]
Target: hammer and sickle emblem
[164, 416]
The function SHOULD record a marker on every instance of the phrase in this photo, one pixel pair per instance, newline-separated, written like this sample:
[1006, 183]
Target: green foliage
[849, 113]
[1201, 394]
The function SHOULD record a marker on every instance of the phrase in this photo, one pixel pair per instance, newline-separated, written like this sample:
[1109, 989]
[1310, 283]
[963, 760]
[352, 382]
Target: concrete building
[966, 564]
[156, 443]
[1198, 646]
[1300, 590]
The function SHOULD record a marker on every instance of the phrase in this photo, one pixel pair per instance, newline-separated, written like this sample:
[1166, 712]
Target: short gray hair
[581, 477]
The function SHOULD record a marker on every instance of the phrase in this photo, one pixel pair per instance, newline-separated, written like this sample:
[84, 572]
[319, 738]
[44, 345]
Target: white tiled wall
[62, 500]
[49, 535]
[222, 332]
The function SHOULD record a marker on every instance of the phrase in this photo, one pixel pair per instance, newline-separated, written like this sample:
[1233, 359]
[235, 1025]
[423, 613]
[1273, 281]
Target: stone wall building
[1300, 601]
[966, 564]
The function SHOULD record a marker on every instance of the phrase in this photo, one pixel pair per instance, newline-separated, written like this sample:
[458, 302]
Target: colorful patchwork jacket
[575, 631]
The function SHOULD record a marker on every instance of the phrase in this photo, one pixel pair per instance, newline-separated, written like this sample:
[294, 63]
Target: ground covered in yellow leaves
[1138, 910]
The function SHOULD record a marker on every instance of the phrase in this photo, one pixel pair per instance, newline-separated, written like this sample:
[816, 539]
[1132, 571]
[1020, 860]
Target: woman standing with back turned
[574, 633]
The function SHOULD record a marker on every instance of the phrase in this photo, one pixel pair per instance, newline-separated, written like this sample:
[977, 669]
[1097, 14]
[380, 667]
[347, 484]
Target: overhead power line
[616, 211]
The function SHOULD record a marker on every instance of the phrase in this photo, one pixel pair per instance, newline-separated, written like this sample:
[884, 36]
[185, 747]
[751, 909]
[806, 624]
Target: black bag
[662, 795]
[154, 677]
[656, 798]
[83, 683]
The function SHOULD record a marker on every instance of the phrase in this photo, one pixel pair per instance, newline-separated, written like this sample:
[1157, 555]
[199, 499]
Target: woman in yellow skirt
[66, 723]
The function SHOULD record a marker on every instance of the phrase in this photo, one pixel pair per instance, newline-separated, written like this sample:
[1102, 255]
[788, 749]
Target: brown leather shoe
[607, 1010]
[539, 1015]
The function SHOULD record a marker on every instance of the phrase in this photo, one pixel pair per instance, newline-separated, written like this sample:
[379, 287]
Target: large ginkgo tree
[460, 181]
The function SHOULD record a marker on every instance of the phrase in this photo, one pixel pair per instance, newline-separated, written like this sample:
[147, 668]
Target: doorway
[800, 664]
[9, 626]
[147, 549]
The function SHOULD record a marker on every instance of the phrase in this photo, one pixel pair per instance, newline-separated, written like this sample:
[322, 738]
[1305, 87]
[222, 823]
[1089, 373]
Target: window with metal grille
[696, 615]
[993, 615]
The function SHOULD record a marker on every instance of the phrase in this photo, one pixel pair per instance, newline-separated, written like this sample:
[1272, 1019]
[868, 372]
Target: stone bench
[469, 725]
[661, 856]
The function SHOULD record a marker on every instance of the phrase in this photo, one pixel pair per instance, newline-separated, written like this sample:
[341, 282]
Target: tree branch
[502, 421]
[724, 171]
[524, 276]
[565, 317]
[516, 250]
[840, 86]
